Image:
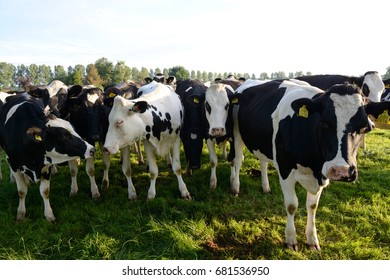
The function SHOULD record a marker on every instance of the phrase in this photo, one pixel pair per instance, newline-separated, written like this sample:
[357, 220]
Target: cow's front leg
[22, 192]
[73, 169]
[44, 189]
[213, 163]
[311, 231]
[176, 167]
[264, 176]
[153, 168]
[90, 168]
[291, 204]
[126, 169]
[106, 166]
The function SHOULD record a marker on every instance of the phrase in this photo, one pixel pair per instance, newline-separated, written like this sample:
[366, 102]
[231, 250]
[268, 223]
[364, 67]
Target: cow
[33, 142]
[311, 136]
[84, 109]
[193, 132]
[386, 93]
[216, 115]
[155, 117]
[159, 78]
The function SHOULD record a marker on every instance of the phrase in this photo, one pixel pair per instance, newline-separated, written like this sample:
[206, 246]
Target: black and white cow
[310, 135]
[216, 115]
[155, 117]
[33, 142]
[159, 78]
[386, 93]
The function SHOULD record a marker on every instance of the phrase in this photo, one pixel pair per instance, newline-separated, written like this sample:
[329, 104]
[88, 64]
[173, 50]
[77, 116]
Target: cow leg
[235, 172]
[224, 150]
[213, 163]
[44, 189]
[1, 157]
[22, 192]
[106, 167]
[169, 160]
[311, 231]
[74, 169]
[126, 169]
[139, 152]
[90, 168]
[264, 176]
[176, 167]
[153, 168]
[291, 204]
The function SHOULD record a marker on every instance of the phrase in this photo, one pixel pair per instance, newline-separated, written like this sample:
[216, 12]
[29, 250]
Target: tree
[179, 72]
[193, 74]
[210, 77]
[135, 73]
[387, 74]
[143, 74]
[165, 72]
[33, 70]
[199, 75]
[121, 73]
[204, 76]
[60, 74]
[264, 76]
[7, 71]
[45, 75]
[77, 79]
[157, 70]
[93, 77]
[105, 69]
[253, 77]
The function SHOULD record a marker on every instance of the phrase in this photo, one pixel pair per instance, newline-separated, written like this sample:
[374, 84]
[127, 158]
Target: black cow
[85, 111]
[311, 136]
[34, 142]
[193, 131]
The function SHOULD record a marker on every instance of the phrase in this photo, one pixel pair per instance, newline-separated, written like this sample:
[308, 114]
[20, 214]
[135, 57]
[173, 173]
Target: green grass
[353, 220]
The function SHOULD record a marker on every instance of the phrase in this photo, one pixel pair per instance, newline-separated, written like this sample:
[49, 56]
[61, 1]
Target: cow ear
[148, 80]
[303, 107]
[379, 110]
[195, 99]
[140, 107]
[35, 134]
[74, 91]
[171, 79]
[236, 99]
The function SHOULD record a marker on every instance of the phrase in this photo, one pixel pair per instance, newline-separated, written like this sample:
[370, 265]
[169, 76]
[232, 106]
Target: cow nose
[95, 137]
[106, 151]
[352, 172]
[217, 131]
[92, 152]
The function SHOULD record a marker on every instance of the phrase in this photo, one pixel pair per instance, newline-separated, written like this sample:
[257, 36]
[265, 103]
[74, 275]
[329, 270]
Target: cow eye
[208, 108]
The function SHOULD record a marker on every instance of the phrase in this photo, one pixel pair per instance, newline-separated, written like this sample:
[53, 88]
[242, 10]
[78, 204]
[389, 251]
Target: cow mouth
[342, 173]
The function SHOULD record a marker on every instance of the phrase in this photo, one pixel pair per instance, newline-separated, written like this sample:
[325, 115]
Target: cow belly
[304, 176]
[261, 156]
[163, 146]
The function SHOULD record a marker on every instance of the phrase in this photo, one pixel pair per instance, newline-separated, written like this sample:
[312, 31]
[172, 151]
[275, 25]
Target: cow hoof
[133, 197]
[187, 197]
[72, 194]
[96, 196]
[314, 247]
[293, 247]
[50, 219]
[105, 185]
[20, 217]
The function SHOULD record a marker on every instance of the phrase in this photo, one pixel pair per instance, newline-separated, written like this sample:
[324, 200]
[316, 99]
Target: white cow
[155, 117]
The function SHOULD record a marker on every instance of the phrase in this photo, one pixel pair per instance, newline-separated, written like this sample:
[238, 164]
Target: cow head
[59, 141]
[341, 119]
[85, 111]
[217, 101]
[373, 86]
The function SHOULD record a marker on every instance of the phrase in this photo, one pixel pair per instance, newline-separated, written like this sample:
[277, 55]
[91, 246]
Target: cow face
[373, 86]
[342, 122]
[60, 142]
[217, 102]
[125, 124]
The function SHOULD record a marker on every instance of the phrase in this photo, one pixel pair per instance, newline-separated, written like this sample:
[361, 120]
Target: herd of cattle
[310, 128]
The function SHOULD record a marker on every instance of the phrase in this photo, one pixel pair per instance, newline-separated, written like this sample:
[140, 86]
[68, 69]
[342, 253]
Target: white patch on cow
[345, 106]
[249, 83]
[194, 136]
[4, 95]
[375, 85]
[55, 86]
[188, 89]
[12, 111]
[92, 97]
[58, 122]
[217, 99]
[148, 88]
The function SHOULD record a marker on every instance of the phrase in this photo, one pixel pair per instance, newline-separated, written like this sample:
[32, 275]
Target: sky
[321, 37]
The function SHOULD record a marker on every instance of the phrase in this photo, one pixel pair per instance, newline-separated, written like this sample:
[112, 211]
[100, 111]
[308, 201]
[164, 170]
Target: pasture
[353, 219]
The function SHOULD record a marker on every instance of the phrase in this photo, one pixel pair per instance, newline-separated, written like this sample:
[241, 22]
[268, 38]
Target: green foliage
[353, 219]
[179, 72]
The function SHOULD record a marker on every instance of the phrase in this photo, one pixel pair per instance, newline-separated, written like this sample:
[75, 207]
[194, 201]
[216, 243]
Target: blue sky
[212, 35]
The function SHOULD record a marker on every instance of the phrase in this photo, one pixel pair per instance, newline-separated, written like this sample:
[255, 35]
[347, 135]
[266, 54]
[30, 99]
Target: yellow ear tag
[387, 86]
[303, 112]
[384, 117]
[111, 95]
[196, 100]
[38, 138]
[234, 100]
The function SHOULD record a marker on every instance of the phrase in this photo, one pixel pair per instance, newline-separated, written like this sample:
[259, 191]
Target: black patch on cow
[154, 107]
[147, 128]
[168, 116]
[147, 136]
[160, 125]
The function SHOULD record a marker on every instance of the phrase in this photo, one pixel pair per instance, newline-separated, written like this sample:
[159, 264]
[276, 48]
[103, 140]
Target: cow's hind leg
[73, 169]
[90, 168]
[176, 167]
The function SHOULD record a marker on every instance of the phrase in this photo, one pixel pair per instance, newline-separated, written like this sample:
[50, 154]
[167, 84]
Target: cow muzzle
[217, 131]
[342, 173]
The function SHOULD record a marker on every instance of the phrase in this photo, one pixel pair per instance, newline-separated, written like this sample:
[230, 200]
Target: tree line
[104, 72]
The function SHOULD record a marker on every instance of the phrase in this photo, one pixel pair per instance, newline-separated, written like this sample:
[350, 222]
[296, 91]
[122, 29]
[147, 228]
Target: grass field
[353, 220]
